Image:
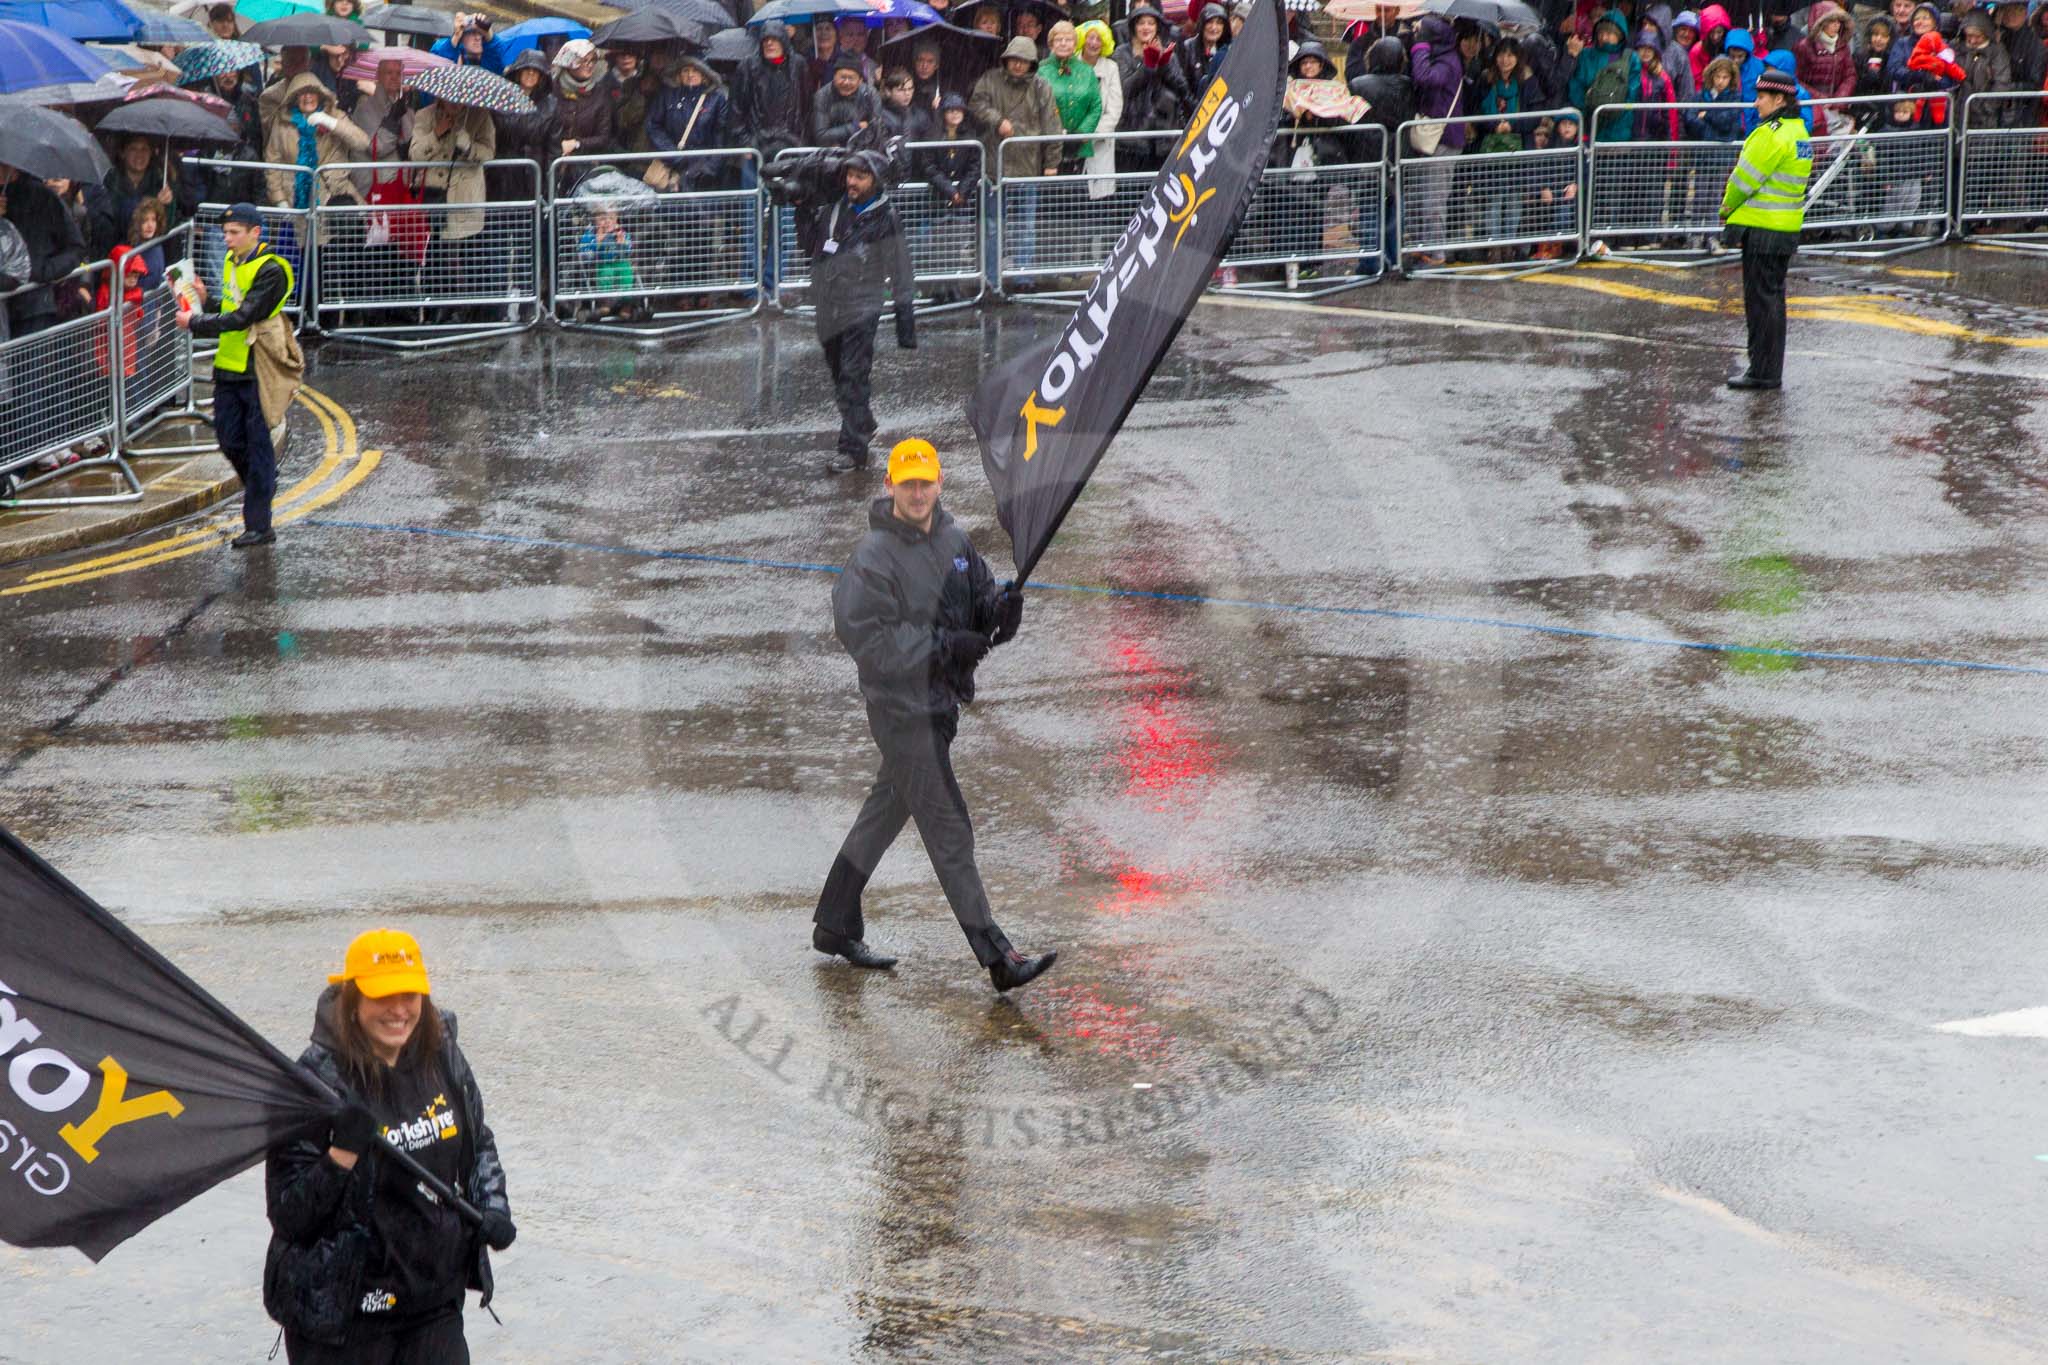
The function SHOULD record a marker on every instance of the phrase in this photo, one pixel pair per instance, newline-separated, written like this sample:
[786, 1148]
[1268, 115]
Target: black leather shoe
[1746, 380]
[852, 949]
[1016, 969]
[249, 539]
[845, 464]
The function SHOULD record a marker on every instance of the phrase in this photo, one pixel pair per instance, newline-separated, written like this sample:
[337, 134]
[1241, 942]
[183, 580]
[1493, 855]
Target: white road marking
[2027, 1023]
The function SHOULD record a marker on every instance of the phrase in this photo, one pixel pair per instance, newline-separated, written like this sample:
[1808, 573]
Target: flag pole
[316, 1087]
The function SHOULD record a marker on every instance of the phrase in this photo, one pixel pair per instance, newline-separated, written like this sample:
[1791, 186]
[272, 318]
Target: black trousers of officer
[245, 439]
[436, 1341]
[916, 784]
[850, 355]
[1766, 256]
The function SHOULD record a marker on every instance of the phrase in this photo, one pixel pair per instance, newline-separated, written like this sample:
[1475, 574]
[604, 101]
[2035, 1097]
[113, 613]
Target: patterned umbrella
[173, 119]
[200, 64]
[31, 56]
[165, 30]
[874, 11]
[473, 88]
[89, 21]
[1302, 6]
[416, 19]
[413, 59]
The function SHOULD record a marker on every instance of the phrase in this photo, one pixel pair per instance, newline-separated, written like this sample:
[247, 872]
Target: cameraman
[846, 222]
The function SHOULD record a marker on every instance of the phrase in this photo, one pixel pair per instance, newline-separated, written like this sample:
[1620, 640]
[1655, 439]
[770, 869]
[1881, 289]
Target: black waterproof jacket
[55, 248]
[771, 101]
[870, 264]
[321, 1217]
[1389, 94]
[900, 591]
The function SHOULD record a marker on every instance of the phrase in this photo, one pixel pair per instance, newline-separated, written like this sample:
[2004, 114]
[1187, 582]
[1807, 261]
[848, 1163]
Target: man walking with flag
[918, 610]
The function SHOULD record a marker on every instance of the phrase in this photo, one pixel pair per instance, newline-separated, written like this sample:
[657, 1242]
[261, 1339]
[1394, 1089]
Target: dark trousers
[850, 356]
[1763, 303]
[245, 439]
[916, 784]
[436, 1341]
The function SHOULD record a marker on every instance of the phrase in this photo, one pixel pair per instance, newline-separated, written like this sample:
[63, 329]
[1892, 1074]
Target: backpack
[1609, 87]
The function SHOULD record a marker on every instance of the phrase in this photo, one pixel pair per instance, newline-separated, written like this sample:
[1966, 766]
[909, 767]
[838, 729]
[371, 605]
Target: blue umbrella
[100, 21]
[874, 11]
[525, 37]
[164, 30]
[31, 56]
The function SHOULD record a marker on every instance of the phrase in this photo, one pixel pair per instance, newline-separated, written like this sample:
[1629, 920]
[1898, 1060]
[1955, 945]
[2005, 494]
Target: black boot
[1746, 380]
[843, 463]
[248, 539]
[1014, 969]
[852, 949]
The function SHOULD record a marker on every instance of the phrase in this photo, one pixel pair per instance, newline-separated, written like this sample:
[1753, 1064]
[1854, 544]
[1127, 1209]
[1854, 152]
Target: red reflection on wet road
[1114, 1030]
[1164, 750]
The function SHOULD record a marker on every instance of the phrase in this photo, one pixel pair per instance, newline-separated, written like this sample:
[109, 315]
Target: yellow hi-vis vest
[1768, 186]
[236, 277]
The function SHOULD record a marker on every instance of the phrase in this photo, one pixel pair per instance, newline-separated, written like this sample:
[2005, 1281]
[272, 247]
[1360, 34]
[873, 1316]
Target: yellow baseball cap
[913, 459]
[384, 962]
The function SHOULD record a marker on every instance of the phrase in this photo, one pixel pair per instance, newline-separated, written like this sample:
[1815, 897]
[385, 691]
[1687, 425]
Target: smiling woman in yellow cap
[364, 1265]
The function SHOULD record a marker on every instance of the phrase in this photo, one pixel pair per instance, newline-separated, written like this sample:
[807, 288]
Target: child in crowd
[606, 251]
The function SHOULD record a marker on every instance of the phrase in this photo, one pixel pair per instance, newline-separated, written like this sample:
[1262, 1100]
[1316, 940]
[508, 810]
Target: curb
[199, 483]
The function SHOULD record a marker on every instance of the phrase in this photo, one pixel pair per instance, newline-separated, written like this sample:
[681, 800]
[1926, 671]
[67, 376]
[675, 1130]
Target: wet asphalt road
[1495, 995]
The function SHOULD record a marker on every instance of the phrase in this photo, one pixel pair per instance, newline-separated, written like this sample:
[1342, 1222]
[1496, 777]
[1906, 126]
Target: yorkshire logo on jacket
[1045, 417]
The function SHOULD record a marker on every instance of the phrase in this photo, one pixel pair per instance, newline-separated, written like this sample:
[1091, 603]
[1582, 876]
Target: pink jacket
[1711, 18]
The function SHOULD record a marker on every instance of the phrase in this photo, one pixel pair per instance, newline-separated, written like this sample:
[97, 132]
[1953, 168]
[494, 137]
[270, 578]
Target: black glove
[355, 1130]
[963, 648]
[497, 1230]
[1009, 614]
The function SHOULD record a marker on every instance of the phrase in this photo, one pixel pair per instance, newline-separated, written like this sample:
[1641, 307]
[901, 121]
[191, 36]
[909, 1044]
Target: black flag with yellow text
[1044, 418]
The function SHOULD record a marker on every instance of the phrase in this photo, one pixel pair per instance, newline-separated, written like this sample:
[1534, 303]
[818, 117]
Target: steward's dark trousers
[436, 1341]
[1764, 263]
[916, 783]
[245, 439]
[851, 355]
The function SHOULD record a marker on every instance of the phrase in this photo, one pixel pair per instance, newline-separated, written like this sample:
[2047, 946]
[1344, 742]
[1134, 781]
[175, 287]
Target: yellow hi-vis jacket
[236, 278]
[1768, 186]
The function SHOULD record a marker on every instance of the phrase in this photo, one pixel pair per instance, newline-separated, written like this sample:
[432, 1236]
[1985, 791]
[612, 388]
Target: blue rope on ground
[1242, 604]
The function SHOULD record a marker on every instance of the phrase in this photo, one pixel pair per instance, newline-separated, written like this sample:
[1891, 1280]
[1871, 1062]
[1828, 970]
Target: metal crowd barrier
[153, 383]
[632, 258]
[1519, 208]
[1328, 220]
[413, 276]
[1662, 198]
[57, 392]
[1049, 226]
[948, 246]
[2002, 181]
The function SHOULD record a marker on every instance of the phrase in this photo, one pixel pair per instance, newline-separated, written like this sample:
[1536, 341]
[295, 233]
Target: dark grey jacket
[901, 589]
[868, 268]
[321, 1217]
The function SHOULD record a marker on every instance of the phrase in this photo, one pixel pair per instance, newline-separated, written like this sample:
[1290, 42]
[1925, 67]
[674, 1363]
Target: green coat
[1077, 94]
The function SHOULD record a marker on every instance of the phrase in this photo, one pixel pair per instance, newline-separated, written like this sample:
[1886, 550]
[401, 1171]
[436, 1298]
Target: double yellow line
[320, 487]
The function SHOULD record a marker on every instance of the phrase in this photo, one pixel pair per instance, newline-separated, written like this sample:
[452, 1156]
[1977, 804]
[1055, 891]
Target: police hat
[1778, 83]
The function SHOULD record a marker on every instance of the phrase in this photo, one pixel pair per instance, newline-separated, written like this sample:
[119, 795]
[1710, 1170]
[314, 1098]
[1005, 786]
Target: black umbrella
[963, 53]
[707, 12]
[304, 30]
[731, 46]
[1495, 12]
[428, 23]
[652, 26]
[47, 145]
[177, 120]
[962, 16]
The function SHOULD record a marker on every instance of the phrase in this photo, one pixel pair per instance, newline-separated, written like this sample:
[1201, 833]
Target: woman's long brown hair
[359, 1061]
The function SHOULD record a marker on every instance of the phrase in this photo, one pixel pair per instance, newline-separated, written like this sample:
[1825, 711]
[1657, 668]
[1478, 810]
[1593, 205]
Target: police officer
[918, 609]
[255, 285]
[1764, 207]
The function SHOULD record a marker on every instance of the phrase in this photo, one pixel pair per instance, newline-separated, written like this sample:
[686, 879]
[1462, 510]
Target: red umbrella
[413, 59]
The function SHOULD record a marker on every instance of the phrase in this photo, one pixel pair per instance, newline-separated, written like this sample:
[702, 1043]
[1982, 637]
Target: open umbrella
[652, 26]
[1495, 12]
[413, 59]
[103, 21]
[108, 90]
[166, 116]
[609, 187]
[262, 11]
[473, 88]
[873, 11]
[169, 30]
[304, 30]
[414, 19]
[32, 56]
[197, 65]
[525, 37]
[709, 13]
[963, 53]
[730, 46]
[47, 145]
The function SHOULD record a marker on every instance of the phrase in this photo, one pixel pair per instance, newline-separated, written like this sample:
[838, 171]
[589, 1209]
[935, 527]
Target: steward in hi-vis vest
[1765, 207]
[255, 285]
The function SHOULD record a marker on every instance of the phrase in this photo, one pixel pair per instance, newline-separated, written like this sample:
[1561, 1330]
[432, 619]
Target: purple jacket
[1439, 73]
